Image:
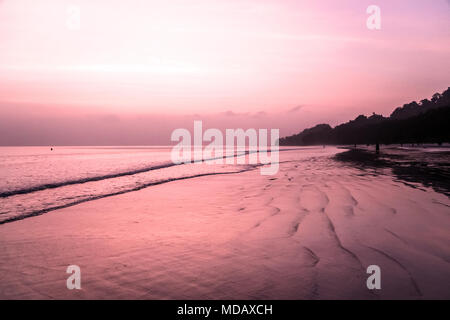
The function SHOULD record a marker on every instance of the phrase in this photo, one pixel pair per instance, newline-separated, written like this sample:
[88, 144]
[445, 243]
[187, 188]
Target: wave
[83, 180]
[96, 197]
[54, 185]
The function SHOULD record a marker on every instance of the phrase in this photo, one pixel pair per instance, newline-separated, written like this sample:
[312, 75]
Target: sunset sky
[135, 70]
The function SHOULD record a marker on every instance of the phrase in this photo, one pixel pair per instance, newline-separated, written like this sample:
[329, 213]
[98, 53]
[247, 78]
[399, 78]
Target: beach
[308, 232]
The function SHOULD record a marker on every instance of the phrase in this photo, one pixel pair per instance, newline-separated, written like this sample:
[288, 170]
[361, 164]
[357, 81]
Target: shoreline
[61, 192]
[301, 234]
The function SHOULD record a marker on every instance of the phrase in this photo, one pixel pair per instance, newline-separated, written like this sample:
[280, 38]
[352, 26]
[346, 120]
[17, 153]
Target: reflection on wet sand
[410, 166]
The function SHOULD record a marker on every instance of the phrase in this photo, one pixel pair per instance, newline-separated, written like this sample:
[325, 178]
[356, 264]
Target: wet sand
[308, 232]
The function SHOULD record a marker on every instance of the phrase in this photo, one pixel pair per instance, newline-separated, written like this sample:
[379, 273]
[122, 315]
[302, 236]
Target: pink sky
[135, 70]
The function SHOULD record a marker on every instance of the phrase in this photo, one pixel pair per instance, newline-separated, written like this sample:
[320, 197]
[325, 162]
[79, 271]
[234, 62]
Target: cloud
[260, 114]
[230, 113]
[295, 109]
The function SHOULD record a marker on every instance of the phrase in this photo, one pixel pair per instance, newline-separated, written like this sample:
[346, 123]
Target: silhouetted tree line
[424, 122]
